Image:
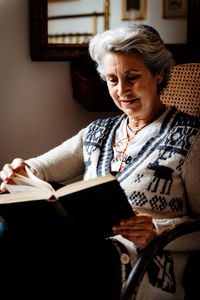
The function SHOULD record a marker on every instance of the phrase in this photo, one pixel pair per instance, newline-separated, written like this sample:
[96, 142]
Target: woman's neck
[137, 123]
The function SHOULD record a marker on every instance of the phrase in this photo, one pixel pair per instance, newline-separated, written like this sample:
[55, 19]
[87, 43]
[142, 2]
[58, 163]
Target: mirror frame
[41, 50]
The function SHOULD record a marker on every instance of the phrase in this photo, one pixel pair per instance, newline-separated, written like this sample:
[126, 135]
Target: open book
[34, 188]
[100, 202]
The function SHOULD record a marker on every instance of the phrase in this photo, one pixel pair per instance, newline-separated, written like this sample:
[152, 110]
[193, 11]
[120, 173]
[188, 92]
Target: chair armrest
[149, 253]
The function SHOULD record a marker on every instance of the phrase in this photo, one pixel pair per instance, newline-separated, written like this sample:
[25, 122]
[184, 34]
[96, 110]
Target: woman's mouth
[130, 101]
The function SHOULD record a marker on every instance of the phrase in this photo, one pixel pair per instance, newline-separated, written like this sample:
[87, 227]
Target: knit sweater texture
[162, 180]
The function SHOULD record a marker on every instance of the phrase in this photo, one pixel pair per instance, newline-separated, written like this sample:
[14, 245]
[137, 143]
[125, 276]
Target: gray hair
[143, 40]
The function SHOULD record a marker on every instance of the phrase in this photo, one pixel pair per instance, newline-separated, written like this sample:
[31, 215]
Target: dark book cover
[92, 210]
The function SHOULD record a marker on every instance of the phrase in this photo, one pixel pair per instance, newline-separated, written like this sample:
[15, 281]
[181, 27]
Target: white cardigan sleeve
[62, 162]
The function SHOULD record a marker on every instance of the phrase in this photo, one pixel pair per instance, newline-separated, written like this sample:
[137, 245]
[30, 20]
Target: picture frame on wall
[133, 9]
[175, 9]
[58, 0]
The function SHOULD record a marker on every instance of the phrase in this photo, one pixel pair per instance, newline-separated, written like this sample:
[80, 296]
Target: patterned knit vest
[152, 181]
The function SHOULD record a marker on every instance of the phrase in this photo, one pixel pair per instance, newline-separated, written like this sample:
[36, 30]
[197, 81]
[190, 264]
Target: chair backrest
[183, 89]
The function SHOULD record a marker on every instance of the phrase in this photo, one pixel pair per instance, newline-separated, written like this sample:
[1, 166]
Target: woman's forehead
[124, 62]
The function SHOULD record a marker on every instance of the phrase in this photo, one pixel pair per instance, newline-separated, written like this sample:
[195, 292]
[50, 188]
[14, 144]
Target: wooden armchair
[190, 280]
[183, 91]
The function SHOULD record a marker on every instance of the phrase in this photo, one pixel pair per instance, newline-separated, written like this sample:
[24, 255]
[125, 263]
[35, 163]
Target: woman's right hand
[7, 173]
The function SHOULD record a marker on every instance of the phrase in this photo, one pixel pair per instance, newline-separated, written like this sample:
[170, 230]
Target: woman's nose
[123, 89]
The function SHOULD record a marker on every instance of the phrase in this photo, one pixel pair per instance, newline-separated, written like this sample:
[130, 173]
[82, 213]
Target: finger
[4, 183]
[3, 175]
[18, 164]
[139, 226]
[137, 220]
[133, 230]
[9, 169]
[3, 188]
[7, 172]
[141, 240]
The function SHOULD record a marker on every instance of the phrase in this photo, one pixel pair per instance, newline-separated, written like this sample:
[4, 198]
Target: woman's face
[131, 85]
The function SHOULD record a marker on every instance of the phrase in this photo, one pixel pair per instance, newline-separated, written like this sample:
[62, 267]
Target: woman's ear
[160, 76]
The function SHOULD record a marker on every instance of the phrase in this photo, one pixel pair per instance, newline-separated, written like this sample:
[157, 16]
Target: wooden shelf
[88, 88]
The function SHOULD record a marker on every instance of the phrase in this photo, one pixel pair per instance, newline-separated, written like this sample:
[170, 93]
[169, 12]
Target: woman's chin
[131, 108]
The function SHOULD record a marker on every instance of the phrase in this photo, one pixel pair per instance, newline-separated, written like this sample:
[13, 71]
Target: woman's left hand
[138, 229]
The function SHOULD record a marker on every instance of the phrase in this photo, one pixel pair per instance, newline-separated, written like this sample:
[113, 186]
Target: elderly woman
[152, 150]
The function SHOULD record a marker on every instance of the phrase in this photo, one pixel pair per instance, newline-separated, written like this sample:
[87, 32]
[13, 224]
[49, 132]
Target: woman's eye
[133, 77]
[112, 80]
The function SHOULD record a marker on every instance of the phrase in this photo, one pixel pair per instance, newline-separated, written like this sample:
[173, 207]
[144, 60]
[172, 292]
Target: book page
[23, 197]
[28, 192]
[29, 184]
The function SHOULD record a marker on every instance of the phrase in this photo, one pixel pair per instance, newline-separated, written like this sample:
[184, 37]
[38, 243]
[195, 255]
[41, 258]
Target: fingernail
[2, 188]
[114, 229]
